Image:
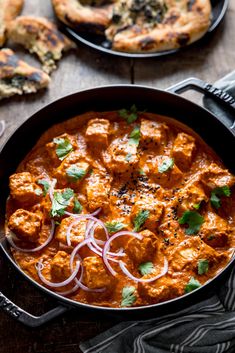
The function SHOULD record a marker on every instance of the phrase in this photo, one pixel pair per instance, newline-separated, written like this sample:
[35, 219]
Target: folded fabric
[206, 327]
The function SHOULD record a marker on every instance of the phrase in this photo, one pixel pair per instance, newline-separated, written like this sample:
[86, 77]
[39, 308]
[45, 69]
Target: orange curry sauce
[154, 165]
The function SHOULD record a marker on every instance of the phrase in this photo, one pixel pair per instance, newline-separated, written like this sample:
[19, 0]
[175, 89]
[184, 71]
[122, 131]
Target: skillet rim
[72, 303]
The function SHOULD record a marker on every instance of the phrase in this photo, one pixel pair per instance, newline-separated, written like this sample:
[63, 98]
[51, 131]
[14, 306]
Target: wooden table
[81, 69]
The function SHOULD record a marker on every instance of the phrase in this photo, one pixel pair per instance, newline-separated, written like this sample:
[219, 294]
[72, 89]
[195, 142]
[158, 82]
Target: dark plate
[100, 43]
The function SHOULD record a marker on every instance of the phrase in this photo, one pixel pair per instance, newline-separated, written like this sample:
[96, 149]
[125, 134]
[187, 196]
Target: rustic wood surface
[81, 69]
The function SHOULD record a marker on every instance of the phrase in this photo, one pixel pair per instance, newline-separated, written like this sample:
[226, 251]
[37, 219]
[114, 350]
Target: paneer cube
[215, 231]
[187, 253]
[60, 267]
[77, 231]
[52, 148]
[72, 169]
[155, 208]
[24, 189]
[97, 191]
[169, 178]
[191, 196]
[183, 149]
[143, 250]
[121, 156]
[26, 225]
[153, 133]
[98, 131]
[215, 176]
[165, 288]
[95, 274]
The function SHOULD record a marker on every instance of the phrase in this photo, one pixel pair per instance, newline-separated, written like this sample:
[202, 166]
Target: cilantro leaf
[114, 226]
[202, 266]
[75, 173]
[60, 202]
[192, 285]
[77, 208]
[45, 184]
[135, 136]
[63, 147]
[197, 206]
[166, 165]
[141, 172]
[194, 221]
[129, 115]
[146, 267]
[140, 219]
[216, 193]
[128, 297]
[38, 192]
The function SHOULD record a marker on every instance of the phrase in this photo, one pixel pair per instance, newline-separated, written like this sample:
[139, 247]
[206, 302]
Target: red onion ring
[136, 279]
[40, 266]
[38, 248]
[107, 246]
[70, 291]
[72, 257]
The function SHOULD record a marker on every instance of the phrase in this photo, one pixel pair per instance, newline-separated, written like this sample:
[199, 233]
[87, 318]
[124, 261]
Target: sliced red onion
[2, 127]
[107, 246]
[69, 291]
[40, 267]
[38, 248]
[136, 279]
[95, 213]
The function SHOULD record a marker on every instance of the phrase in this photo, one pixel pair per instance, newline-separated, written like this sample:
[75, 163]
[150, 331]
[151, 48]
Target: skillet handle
[219, 95]
[26, 318]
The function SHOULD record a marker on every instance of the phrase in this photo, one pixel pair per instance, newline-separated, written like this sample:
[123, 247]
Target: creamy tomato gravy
[153, 176]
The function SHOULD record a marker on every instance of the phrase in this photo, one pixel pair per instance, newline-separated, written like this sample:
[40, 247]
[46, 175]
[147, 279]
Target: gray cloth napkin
[206, 327]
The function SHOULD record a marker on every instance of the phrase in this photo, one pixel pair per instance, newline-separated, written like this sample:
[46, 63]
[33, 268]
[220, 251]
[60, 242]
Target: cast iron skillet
[219, 134]
[99, 42]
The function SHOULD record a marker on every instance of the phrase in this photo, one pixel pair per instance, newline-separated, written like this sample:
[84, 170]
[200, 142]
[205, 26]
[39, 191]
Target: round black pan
[219, 134]
[100, 43]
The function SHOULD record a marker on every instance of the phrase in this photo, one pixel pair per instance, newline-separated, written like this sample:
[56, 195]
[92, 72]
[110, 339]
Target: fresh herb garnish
[63, 147]
[192, 285]
[114, 226]
[141, 172]
[146, 268]
[166, 165]
[217, 193]
[128, 157]
[197, 206]
[75, 173]
[140, 219]
[128, 297]
[38, 192]
[202, 266]
[61, 201]
[129, 115]
[194, 221]
[45, 184]
[135, 136]
[77, 208]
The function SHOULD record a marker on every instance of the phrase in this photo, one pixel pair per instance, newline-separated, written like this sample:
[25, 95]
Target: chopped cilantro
[141, 172]
[146, 267]
[140, 219]
[202, 266]
[216, 193]
[77, 208]
[128, 297]
[129, 115]
[197, 206]
[60, 202]
[135, 136]
[75, 173]
[45, 184]
[63, 147]
[166, 165]
[114, 226]
[194, 221]
[128, 157]
[192, 285]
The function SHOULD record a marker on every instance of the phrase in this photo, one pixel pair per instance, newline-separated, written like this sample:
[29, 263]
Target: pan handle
[26, 318]
[206, 88]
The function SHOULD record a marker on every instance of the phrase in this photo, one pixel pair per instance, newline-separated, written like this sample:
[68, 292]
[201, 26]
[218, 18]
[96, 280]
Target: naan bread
[9, 9]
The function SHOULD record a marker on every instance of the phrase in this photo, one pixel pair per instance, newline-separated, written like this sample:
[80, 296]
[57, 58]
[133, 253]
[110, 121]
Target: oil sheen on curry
[121, 209]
